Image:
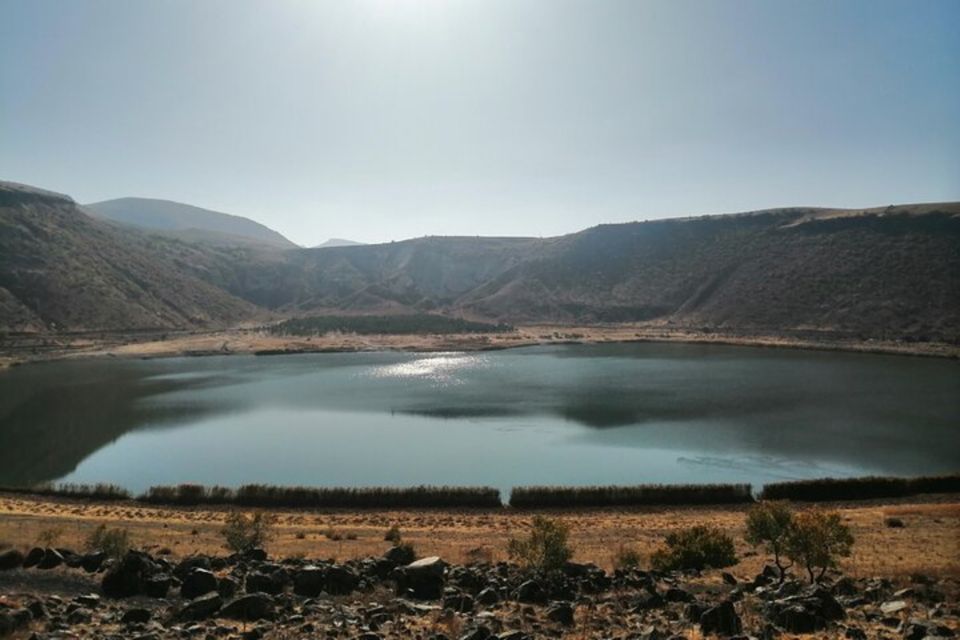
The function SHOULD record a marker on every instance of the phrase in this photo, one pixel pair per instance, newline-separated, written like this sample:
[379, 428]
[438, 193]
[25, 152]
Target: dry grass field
[929, 541]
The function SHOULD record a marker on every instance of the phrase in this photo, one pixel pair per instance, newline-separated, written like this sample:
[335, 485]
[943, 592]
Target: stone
[253, 606]
[137, 615]
[157, 585]
[893, 606]
[127, 578]
[308, 581]
[270, 583]
[92, 562]
[341, 580]
[479, 632]
[721, 620]
[531, 592]
[202, 607]
[33, 557]
[198, 582]
[51, 559]
[80, 615]
[423, 579]
[561, 613]
[11, 559]
[488, 596]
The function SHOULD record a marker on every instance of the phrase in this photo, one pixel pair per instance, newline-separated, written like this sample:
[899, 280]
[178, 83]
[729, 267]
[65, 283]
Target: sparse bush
[769, 524]
[333, 534]
[696, 547]
[404, 553]
[626, 558]
[113, 542]
[817, 538]
[393, 535]
[894, 523]
[243, 532]
[545, 549]
[49, 537]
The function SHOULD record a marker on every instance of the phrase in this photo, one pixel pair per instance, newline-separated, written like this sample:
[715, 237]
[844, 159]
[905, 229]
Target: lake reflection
[574, 414]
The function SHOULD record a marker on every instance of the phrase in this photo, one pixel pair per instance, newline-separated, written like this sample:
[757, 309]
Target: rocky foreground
[43, 594]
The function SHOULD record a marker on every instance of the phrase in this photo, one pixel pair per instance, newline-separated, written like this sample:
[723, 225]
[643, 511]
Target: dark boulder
[308, 581]
[198, 582]
[137, 615]
[341, 580]
[561, 613]
[188, 564]
[51, 559]
[253, 606]
[399, 555]
[92, 562]
[721, 620]
[202, 607]
[423, 579]
[11, 559]
[488, 596]
[531, 592]
[457, 600]
[13, 619]
[128, 577]
[479, 632]
[33, 558]
[261, 582]
[157, 585]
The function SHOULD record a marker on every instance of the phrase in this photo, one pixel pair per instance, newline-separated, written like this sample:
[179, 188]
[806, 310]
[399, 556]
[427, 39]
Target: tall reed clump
[622, 496]
[99, 491]
[188, 495]
[864, 488]
[256, 495]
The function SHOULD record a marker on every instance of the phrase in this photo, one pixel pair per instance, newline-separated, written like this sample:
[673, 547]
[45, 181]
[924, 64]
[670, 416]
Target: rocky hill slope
[890, 273]
[62, 270]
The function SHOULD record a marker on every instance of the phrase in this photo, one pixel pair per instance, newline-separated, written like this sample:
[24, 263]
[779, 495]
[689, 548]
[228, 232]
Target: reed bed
[188, 495]
[864, 488]
[256, 495]
[625, 496]
[99, 491]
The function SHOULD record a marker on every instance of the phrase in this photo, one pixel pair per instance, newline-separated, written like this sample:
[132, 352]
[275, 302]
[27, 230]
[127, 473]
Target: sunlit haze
[378, 120]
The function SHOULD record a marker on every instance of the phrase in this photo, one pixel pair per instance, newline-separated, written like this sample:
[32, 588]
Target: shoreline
[23, 350]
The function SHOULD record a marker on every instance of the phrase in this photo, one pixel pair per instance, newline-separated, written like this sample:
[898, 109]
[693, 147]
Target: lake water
[572, 414]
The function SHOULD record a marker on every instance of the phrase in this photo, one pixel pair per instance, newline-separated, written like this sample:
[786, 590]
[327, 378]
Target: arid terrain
[901, 581]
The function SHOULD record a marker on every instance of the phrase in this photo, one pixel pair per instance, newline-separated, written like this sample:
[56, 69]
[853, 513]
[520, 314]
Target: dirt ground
[928, 543]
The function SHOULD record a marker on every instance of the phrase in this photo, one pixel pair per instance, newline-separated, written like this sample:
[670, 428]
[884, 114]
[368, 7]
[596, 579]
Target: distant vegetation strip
[370, 325]
[100, 491]
[624, 496]
[531, 497]
[258, 495]
[864, 488]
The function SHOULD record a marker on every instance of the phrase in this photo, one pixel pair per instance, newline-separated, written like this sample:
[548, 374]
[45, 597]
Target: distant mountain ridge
[338, 242]
[187, 221]
[884, 273]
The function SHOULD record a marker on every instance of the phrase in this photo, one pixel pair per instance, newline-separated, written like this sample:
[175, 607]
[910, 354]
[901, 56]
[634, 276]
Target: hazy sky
[386, 119]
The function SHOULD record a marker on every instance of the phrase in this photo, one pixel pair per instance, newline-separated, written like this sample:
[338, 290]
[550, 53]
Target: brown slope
[888, 273]
[66, 271]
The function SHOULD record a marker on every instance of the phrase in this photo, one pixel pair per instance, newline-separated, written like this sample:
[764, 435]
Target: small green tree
[769, 524]
[244, 532]
[816, 539]
[545, 549]
[696, 547]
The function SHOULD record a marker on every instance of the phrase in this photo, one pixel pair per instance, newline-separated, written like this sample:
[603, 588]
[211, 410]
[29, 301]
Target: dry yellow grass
[929, 543]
